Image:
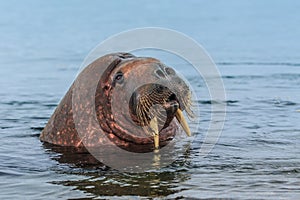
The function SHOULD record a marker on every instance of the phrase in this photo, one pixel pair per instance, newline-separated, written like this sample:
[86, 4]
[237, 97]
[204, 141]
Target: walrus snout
[148, 97]
[156, 105]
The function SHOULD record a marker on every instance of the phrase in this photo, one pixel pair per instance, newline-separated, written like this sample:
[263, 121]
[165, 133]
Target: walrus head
[140, 102]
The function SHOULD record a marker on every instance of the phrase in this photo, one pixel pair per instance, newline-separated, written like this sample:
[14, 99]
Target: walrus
[135, 103]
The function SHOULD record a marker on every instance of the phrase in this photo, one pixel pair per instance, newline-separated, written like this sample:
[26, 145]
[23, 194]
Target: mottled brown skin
[60, 129]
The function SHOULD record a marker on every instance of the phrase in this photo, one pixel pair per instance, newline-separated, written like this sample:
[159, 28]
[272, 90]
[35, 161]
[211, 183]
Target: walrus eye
[119, 77]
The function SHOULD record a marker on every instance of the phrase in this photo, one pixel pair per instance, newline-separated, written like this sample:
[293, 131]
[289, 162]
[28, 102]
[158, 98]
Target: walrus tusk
[156, 141]
[155, 131]
[180, 117]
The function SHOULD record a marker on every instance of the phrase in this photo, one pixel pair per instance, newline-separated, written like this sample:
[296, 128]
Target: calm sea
[255, 45]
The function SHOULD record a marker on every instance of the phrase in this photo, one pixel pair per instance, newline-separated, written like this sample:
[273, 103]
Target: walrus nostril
[170, 71]
[160, 73]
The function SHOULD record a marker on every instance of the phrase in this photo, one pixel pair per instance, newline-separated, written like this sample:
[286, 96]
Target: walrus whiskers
[160, 95]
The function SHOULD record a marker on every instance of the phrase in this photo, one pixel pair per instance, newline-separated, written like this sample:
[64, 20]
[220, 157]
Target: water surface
[255, 45]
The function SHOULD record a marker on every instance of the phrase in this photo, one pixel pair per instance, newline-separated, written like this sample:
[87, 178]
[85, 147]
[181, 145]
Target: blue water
[255, 45]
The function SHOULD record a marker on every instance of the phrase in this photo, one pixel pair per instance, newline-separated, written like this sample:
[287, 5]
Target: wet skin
[138, 104]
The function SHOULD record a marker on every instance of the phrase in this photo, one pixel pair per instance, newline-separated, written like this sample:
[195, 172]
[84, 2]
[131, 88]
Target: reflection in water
[100, 180]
